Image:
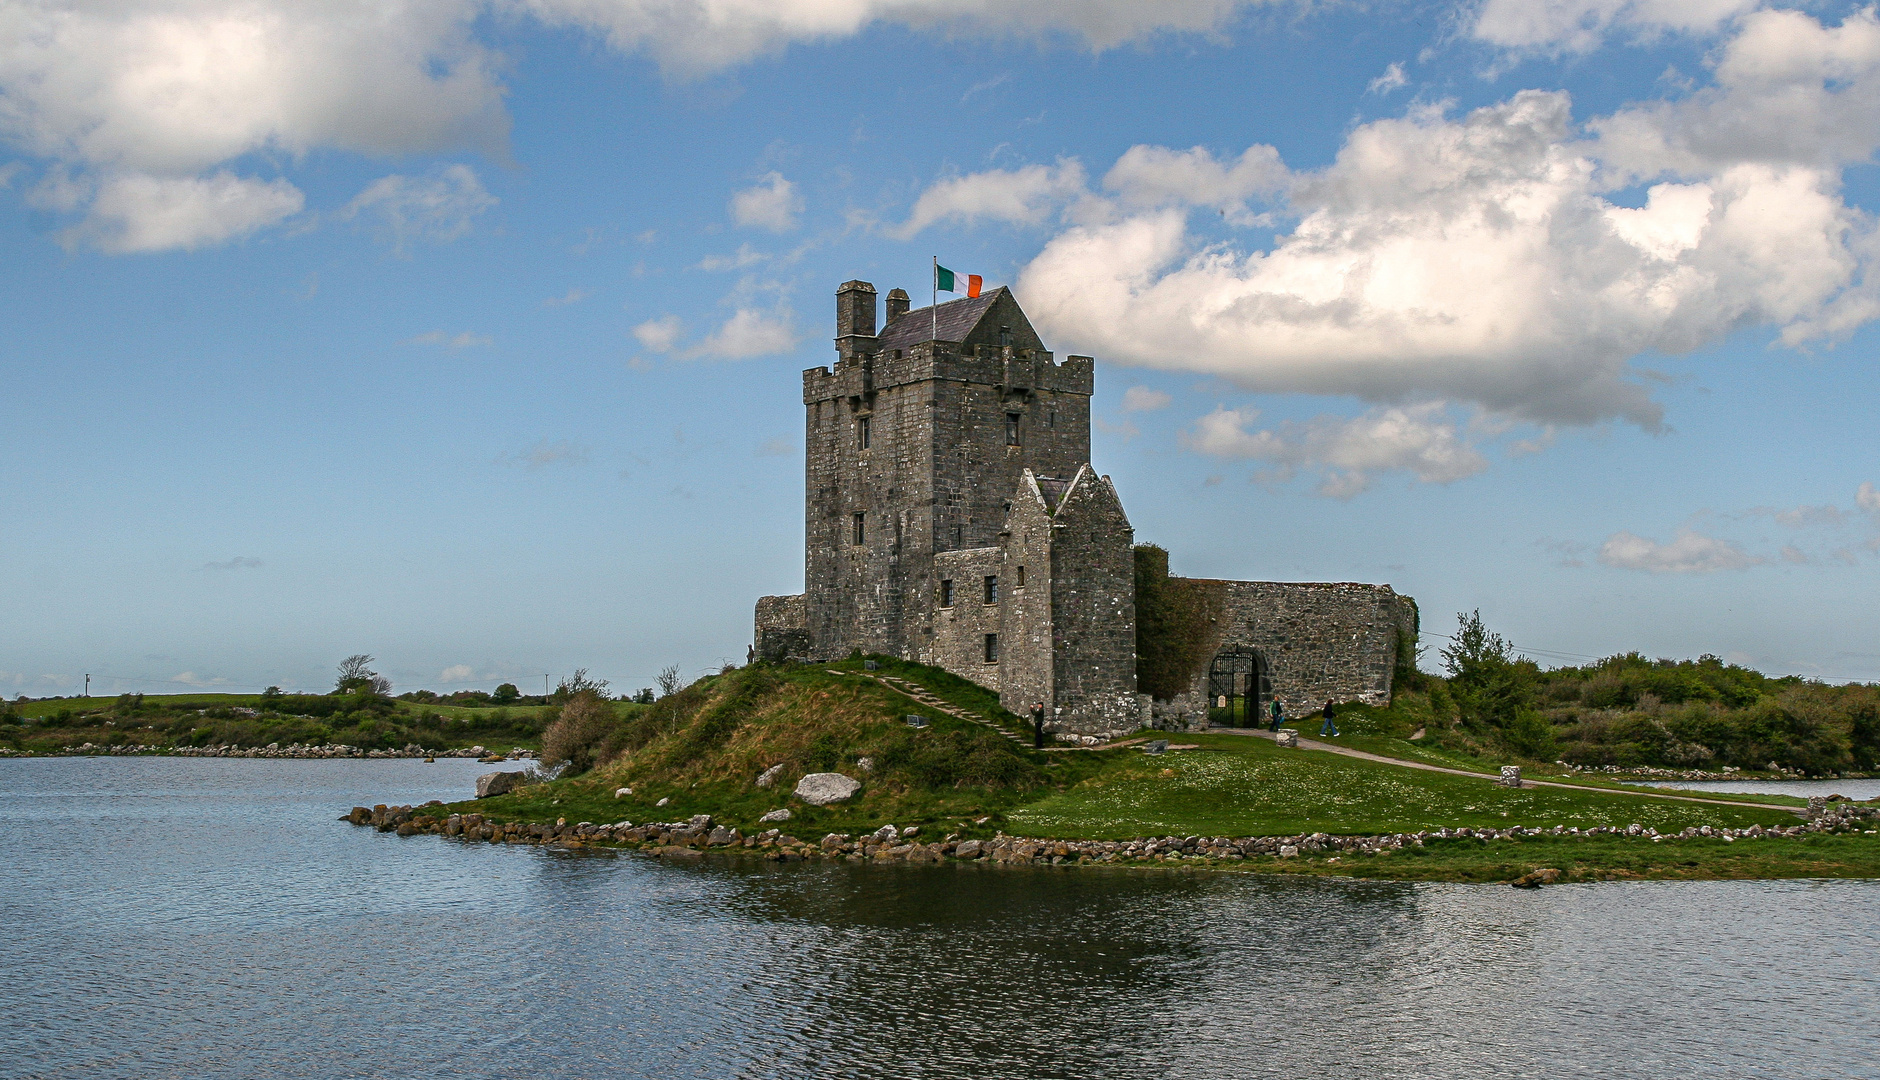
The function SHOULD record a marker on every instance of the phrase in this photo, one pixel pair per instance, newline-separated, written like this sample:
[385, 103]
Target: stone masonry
[951, 517]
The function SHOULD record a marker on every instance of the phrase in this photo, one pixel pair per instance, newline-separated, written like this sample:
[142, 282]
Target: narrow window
[992, 588]
[862, 432]
[992, 648]
[861, 529]
[1005, 337]
[1011, 430]
[1021, 578]
[946, 593]
[1050, 419]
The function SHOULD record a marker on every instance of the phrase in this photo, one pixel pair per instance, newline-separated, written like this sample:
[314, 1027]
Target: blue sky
[467, 332]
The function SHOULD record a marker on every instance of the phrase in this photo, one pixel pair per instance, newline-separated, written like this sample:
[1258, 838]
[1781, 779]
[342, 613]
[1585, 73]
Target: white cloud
[190, 678]
[1690, 552]
[464, 340]
[437, 208]
[745, 256]
[1392, 79]
[1345, 452]
[1143, 399]
[748, 333]
[659, 335]
[457, 673]
[1023, 196]
[142, 213]
[574, 296]
[1582, 25]
[1150, 176]
[693, 36]
[1479, 258]
[1867, 498]
[772, 204]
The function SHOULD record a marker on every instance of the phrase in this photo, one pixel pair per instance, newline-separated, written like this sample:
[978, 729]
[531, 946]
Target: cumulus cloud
[659, 335]
[1392, 79]
[436, 208]
[1867, 498]
[239, 562]
[1024, 196]
[1580, 26]
[1345, 453]
[463, 340]
[573, 296]
[1143, 399]
[745, 256]
[694, 36]
[772, 204]
[143, 213]
[1690, 552]
[457, 673]
[748, 333]
[1483, 258]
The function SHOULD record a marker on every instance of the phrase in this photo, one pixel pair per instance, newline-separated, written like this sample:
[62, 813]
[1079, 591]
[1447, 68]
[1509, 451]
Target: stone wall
[1027, 671]
[1320, 641]
[960, 628]
[1093, 610]
[782, 631]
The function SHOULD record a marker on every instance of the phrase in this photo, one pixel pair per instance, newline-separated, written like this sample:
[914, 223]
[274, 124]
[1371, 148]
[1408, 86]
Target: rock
[969, 850]
[887, 834]
[621, 793]
[1288, 851]
[769, 776]
[700, 821]
[1287, 737]
[1544, 876]
[1510, 776]
[662, 802]
[912, 830]
[823, 788]
[778, 815]
[499, 783]
[1156, 746]
[722, 836]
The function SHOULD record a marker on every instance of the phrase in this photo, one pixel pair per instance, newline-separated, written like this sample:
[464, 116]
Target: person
[1328, 728]
[1037, 726]
[1279, 714]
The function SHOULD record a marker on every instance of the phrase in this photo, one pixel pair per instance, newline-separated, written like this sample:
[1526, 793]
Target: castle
[952, 517]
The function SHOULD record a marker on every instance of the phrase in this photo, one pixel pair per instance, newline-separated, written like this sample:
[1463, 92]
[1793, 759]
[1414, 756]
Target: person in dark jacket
[1279, 714]
[1328, 728]
[1037, 726]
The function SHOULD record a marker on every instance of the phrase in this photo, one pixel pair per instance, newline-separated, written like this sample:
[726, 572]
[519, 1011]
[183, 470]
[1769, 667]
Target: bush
[505, 694]
[588, 733]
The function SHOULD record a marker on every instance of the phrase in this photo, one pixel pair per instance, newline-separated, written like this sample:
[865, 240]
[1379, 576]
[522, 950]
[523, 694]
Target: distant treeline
[1629, 710]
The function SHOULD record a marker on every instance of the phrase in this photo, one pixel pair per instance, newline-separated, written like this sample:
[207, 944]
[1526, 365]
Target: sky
[467, 333]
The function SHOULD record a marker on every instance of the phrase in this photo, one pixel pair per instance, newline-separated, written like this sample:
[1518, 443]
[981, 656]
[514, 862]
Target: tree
[505, 694]
[644, 697]
[668, 680]
[1493, 687]
[578, 683]
[586, 734]
[357, 677]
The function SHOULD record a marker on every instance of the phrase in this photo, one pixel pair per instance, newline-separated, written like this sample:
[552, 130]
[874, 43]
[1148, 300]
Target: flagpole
[935, 309]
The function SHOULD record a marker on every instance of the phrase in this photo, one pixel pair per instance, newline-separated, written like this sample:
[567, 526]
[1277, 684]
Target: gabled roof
[1052, 489]
[957, 318]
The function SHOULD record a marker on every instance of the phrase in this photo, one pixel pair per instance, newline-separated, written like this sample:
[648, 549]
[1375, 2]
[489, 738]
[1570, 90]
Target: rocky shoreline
[699, 835]
[272, 750]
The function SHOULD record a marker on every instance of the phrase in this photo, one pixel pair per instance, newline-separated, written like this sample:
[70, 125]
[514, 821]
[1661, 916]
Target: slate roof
[1053, 489]
[957, 319]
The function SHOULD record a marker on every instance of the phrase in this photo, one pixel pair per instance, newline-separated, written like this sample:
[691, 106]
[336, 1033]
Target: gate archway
[1239, 687]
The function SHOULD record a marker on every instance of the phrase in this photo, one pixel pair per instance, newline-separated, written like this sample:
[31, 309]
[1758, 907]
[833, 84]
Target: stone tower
[915, 444]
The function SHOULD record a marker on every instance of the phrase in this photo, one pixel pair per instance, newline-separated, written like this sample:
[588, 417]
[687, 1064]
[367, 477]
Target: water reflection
[212, 920]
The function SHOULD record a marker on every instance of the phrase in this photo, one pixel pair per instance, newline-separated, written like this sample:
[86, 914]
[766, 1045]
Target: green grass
[1237, 785]
[1600, 859]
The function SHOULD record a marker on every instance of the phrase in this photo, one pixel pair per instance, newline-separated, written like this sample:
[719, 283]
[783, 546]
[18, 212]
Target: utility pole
[544, 685]
[88, 684]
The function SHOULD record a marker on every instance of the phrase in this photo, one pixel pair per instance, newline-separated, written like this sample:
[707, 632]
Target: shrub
[588, 733]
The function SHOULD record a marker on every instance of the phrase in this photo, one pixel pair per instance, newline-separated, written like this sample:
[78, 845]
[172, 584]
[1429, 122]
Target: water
[1859, 790]
[210, 918]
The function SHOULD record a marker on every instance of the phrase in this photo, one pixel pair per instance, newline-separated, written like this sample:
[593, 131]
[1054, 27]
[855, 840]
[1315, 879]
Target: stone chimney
[855, 319]
[897, 305]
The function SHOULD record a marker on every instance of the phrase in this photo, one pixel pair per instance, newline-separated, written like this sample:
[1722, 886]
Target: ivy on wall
[1175, 625]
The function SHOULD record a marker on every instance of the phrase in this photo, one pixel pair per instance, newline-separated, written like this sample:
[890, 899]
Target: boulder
[1547, 875]
[623, 792]
[823, 788]
[1510, 776]
[769, 776]
[778, 815]
[887, 834]
[968, 850]
[499, 783]
[1287, 737]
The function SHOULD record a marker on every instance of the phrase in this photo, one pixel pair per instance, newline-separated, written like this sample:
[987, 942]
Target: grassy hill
[701, 751]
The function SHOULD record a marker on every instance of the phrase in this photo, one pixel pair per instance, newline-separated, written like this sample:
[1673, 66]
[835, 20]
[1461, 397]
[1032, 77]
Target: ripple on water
[208, 918]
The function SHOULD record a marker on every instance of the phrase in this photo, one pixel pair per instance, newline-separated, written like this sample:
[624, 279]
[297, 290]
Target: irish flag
[945, 280]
